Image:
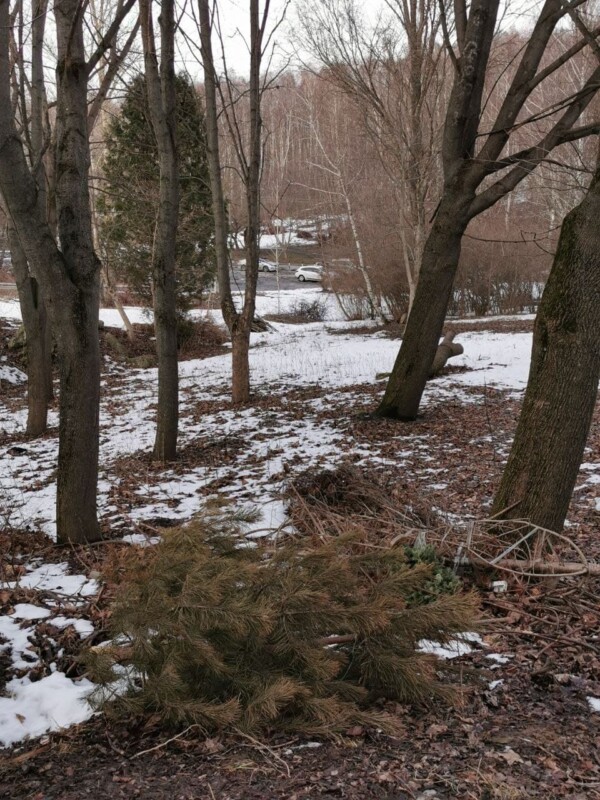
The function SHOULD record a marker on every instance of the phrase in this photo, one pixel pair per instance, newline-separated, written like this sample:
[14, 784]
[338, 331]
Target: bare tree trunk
[421, 338]
[467, 163]
[76, 516]
[241, 385]
[68, 277]
[77, 315]
[375, 305]
[559, 402]
[113, 292]
[240, 376]
[161, 102]
[249, 155]
[38, 336]
[40, 143]
[33, 314]
[214, 165]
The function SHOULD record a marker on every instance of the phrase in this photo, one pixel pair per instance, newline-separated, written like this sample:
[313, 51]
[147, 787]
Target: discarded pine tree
[303, 635]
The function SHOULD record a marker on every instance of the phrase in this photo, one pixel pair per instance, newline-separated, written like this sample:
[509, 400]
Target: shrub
[194, 334]
[308, 310]
[304, 634]
[301, 312]
[353, 306]
[442, 579]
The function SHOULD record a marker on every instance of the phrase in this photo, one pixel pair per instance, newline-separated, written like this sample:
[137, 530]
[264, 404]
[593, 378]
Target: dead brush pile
[308, 632]
[333, 503]
[201, 336]
[329, 501]
[196, 338]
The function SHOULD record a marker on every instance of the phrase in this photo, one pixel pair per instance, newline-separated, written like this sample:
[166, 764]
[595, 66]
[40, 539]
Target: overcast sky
[234, 18]
[235, 25]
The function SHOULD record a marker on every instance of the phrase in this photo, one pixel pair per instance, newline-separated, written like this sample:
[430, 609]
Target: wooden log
[539, 567]
[446, 349]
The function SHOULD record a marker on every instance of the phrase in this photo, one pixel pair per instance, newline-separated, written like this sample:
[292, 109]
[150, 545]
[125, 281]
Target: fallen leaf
[356, 730]
[511, 757]
[435, 730]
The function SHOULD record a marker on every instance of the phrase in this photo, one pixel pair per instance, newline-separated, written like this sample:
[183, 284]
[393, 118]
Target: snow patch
[12, 375]
[29, 611]
[55, 578]
[83, 626]
[453, 649]
[499, 658]
[32, 709]
[594, 703]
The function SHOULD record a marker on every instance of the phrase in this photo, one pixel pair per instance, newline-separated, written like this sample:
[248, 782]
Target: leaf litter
[525, 723]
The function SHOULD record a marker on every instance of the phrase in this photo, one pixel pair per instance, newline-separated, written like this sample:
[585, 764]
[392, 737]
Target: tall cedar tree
[128, 208]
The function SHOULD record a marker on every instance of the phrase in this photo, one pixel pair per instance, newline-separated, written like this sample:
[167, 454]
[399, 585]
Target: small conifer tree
[129, 202]
[301, 635]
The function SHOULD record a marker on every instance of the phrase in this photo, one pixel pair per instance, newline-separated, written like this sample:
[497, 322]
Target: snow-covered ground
[33, 707]
[317, 354]
[326, 355]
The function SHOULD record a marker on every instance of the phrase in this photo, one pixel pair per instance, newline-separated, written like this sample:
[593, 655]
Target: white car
[266, 266]
[311, 273]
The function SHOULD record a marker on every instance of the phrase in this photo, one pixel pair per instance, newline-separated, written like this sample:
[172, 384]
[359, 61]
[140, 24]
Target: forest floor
[525, 723]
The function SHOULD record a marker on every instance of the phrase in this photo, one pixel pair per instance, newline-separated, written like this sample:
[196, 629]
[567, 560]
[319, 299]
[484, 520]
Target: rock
[16, 451]
[18, 339]
[143, 362]
[115, 345]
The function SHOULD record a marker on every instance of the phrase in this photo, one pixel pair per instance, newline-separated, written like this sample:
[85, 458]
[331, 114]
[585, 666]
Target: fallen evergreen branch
[307, 635]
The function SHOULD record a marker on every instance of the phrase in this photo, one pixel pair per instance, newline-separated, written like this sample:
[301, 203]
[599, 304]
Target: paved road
[267, 281]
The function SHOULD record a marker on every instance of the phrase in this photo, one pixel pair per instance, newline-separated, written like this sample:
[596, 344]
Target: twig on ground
[165, 743]
[265, 748]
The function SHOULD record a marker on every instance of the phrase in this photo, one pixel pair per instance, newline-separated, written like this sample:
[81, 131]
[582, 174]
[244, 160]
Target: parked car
[312, 273]
[266, 266]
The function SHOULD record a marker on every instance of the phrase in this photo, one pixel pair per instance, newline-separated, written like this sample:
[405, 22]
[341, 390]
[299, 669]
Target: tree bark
[422, 334]
[76, 310]
[240, 374]
[559, 402]
[33, 315]
[38, 335]
[40, 143]
[249, 157]
[243, 325]
[214, 165]
[161, 102]
[68, 277]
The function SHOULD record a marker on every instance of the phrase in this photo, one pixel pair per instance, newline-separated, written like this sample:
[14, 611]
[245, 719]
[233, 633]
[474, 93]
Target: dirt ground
[532, 737]
[521, 727]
